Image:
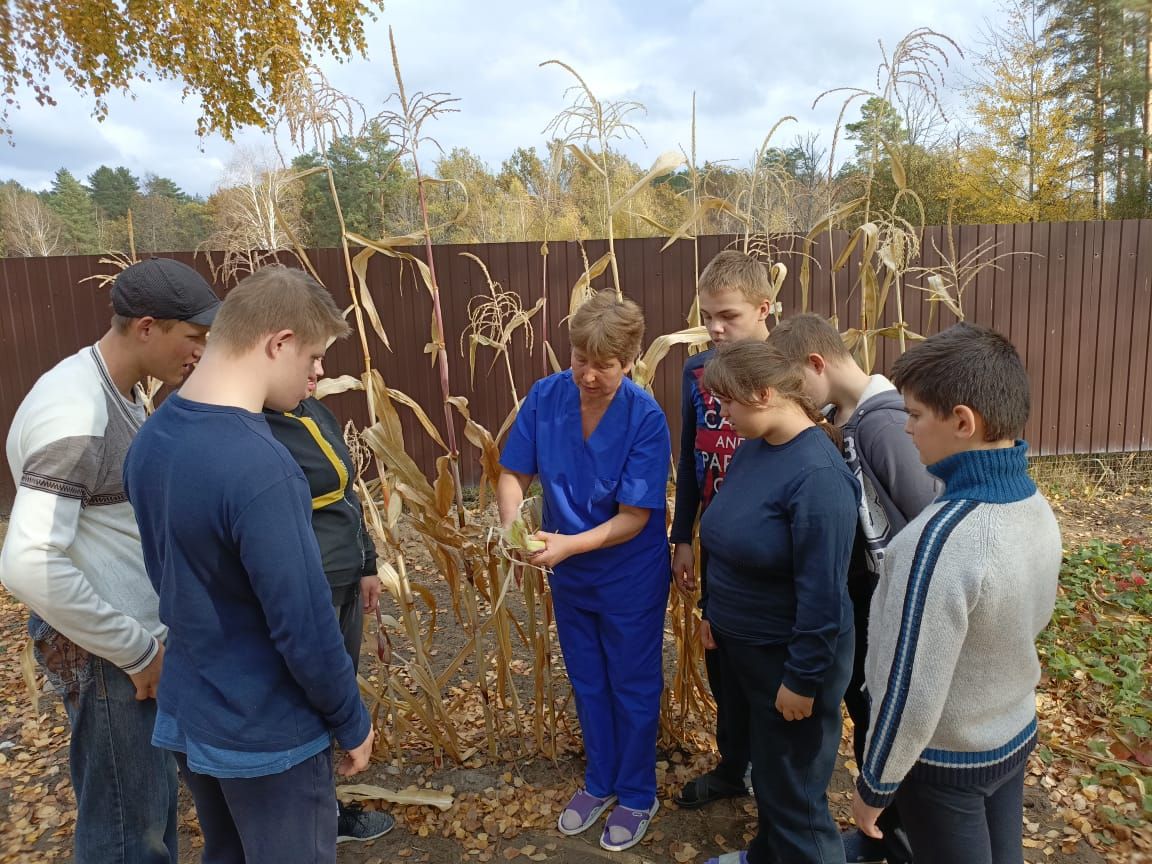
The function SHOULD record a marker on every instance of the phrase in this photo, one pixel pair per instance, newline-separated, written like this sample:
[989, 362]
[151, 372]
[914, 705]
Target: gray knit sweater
[952, 667]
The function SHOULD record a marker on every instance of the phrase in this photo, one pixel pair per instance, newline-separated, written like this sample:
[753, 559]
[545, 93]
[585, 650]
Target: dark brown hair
[968, 365]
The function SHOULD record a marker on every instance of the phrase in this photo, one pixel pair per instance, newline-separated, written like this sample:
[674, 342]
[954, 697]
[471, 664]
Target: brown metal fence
[1078, 305]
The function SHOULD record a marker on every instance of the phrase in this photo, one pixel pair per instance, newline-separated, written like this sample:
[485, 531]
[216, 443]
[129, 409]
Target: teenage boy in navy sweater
[256, 679]
[735, 300]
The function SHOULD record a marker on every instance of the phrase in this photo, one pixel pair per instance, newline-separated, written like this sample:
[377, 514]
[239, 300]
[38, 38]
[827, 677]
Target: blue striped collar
[991, 476]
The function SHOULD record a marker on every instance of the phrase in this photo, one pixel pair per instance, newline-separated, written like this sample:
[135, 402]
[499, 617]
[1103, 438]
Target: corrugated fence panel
[1075, 298]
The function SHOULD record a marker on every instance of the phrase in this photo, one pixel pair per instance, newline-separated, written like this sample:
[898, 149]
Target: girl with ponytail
[779, 538]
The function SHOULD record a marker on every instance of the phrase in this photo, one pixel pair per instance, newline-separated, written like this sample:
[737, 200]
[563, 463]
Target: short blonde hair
[732, 270]
[273, 299]
[608, 327]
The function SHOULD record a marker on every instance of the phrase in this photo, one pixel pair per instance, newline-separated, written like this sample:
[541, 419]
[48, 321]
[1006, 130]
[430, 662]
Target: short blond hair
[733, 270]
[608, 327]
[273, 299]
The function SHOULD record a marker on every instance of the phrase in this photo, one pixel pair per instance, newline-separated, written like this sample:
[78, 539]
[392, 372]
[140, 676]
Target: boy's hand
[866, 816]
[706, 637]
[792, 705]
[355, 761]
[684, 567]
[370, 593]
[147, 680]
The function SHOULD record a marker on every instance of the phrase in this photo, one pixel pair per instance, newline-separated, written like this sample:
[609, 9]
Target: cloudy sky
[749, 64]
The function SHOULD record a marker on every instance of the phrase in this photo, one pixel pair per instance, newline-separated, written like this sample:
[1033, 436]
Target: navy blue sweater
[779, 537]
[254, 659]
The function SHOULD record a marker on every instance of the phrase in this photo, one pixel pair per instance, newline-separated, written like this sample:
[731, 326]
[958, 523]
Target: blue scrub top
[625, 461]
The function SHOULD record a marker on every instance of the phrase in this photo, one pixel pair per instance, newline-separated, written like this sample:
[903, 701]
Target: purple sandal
[626, 827]
[582, 812]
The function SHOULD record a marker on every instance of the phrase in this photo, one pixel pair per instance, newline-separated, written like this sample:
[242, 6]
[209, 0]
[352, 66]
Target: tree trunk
[1146, 127]
[1098, 122]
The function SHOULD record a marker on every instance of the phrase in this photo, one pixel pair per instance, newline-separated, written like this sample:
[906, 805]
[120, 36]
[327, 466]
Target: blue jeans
[978, 824]
[275, 819]
[126, 789]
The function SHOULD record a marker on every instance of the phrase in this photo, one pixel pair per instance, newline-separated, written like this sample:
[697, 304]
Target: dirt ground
[504, 809]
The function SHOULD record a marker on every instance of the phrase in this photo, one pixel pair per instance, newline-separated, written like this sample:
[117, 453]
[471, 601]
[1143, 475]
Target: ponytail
[830, 429]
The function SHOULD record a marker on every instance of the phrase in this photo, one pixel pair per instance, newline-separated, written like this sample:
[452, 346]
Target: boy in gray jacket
[967, 586]
[894, 489]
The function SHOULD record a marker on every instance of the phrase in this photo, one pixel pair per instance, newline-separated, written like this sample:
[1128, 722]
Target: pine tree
[1091, 41]
[366, 180]
[113, 190]
[70, 200]
[1024, 161]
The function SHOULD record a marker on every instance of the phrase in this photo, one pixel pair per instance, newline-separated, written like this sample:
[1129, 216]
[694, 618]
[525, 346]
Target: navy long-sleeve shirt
[779, 537]
[254, 659]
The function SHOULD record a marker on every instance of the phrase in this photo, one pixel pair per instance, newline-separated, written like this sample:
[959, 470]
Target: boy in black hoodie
[895, 487]
[313, 436]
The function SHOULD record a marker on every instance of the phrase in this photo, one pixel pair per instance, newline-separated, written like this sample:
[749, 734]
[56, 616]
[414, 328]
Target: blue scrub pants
[615, 664]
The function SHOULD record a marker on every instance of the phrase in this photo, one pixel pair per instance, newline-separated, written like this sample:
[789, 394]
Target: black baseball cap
[165, 289]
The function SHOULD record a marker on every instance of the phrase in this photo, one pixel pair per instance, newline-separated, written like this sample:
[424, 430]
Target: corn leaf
[825, 224]
[583, 284]
[665, 163]
[899, 177]
[405, 797]
[586, 159]
[384, 249]
[553, 362]
[429, 427]
[331, 386]
[360, 268]
[444, 488]
[645, 370]
[28, 672]
[707, 203]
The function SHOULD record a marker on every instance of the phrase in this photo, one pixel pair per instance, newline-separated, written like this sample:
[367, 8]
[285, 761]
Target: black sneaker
[357, 825]
[861, 849]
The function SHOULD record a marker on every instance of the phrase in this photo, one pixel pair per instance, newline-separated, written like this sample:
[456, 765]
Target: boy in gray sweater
[967, 586]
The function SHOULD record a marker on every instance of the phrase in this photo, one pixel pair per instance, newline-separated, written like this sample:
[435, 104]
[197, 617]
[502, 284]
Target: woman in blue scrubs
[599, 445]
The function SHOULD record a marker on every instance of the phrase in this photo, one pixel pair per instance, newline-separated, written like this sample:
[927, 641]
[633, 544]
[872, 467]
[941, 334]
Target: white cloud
[748, 64]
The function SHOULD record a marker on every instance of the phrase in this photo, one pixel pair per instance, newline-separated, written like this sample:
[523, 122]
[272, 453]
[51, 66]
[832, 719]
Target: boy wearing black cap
[73, 555]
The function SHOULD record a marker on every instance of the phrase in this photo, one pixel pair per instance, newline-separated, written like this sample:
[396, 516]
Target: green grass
[1096, 654]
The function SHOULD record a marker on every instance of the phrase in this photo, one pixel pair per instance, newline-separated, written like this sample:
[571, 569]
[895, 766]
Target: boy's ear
[818, 363]
[968, 425]
[764, 310]
[275, 344]
[143, 328]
